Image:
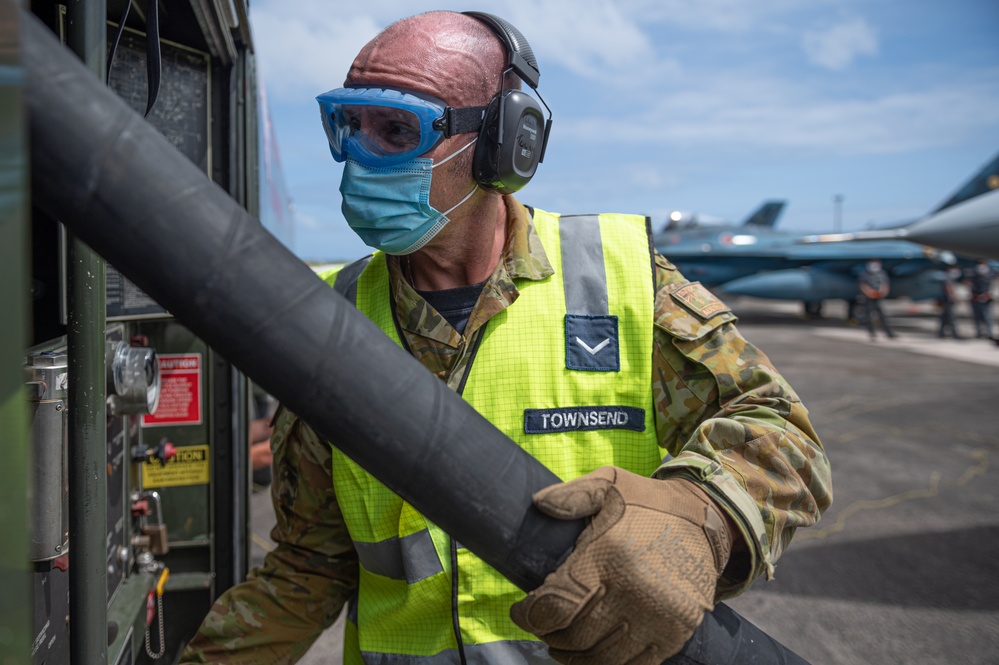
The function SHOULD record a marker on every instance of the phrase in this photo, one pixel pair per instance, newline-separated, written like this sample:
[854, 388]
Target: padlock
[156, 533]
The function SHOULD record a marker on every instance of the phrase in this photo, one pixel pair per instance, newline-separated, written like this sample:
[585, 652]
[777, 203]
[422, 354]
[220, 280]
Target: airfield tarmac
[904, 567]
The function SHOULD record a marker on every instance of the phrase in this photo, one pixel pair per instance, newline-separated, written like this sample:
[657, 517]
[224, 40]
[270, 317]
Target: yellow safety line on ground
[981, 465]
[961, 435]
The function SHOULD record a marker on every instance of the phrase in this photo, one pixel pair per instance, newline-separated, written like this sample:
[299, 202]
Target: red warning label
[180, 391]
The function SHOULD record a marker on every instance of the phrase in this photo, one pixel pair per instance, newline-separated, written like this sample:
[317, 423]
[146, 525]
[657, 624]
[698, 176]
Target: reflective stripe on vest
[583, 275]
[411, 558]
[572, 355]
[507, 652]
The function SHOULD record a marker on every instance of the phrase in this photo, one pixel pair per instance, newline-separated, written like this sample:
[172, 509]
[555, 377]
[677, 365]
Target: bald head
[444, 54]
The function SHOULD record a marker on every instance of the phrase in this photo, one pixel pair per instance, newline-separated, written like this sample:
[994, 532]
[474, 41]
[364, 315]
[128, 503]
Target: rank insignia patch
[591, 343]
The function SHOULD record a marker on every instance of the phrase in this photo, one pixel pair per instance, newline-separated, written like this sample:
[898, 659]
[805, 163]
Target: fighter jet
[714, 252]
[755, 259]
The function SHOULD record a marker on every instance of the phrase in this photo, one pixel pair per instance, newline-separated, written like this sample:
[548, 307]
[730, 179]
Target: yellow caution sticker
[188, 467]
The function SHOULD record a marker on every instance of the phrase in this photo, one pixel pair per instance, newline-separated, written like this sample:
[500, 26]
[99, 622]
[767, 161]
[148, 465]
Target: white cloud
[648, 176]
[756, 113]
[837, 46]
[588, 37]
[309, 51]
[720, 16]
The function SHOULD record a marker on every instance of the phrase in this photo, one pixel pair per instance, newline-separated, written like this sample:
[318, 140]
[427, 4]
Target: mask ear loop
[450, 157]
[455, 153]
[455, 206]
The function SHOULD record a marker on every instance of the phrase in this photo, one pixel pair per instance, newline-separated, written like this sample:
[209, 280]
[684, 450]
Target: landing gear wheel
[813, 310]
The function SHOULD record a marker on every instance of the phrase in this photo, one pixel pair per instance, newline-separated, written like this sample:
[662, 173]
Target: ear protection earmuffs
[514, 133]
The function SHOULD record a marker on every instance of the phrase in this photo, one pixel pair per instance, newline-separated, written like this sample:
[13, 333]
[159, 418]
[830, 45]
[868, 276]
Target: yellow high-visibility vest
[566, 372]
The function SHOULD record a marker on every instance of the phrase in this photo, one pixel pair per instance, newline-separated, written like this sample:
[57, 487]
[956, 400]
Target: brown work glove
[641, 576]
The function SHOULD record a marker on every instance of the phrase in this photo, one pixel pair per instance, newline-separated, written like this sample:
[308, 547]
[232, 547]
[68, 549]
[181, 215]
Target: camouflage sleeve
[730, 421]
[276, 615]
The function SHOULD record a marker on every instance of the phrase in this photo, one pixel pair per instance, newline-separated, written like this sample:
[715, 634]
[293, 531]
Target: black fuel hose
[119, 185]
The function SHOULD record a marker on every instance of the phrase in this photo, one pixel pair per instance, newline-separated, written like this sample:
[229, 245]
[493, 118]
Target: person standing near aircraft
[980, 285]
[875, 285]
[948, 298]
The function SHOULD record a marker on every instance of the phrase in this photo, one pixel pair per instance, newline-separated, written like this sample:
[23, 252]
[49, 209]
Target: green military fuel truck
[120, 525]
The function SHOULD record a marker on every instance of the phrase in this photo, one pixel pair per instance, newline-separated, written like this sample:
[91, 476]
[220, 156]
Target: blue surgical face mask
[389, 207]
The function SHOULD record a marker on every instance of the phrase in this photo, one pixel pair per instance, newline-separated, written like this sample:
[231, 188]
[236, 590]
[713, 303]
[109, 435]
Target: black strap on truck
[154, 58]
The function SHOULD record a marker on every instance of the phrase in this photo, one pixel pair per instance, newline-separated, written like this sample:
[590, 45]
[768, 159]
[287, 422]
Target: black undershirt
[456, 304]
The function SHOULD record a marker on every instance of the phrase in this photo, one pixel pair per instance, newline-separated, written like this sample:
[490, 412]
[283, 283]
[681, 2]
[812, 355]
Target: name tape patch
[583, 418]
[699, 300]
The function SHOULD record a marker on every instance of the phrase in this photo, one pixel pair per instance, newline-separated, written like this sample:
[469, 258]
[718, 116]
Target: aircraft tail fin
[985, 180]
[766, 215]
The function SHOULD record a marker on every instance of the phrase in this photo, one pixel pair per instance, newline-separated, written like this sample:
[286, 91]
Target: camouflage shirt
[727, 418]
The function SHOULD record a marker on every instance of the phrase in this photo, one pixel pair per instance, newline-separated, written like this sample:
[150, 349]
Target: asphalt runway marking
[980, 466]
[962, 435]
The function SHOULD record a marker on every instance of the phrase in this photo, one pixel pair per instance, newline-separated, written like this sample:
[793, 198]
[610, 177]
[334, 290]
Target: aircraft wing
[818, 272]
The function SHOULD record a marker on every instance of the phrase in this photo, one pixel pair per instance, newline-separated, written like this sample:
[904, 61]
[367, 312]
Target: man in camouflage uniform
[744, 467]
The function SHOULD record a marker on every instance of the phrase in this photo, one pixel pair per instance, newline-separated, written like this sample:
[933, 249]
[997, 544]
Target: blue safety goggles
[384, 127]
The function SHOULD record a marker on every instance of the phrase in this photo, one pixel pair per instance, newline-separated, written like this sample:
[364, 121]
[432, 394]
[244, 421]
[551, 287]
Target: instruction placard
[180, 391]
[188, 467]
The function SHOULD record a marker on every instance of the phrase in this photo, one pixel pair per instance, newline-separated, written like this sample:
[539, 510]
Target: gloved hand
[641, 576]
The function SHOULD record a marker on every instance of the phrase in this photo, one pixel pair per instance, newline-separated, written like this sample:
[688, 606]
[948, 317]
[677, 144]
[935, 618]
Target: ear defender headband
[514, 132]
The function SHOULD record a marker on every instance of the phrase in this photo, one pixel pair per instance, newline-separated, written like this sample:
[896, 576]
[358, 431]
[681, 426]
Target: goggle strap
[460, 121]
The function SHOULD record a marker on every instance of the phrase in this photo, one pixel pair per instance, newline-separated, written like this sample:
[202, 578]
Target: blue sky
[709, 106]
